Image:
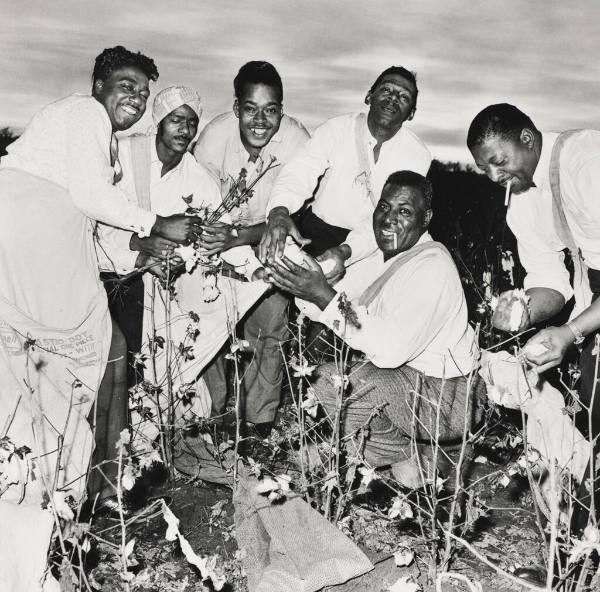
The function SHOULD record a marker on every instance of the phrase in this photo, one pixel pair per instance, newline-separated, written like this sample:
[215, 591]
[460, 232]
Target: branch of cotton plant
[458, 485]
[206, 565]
[239, 192]
[520, 582]
[125, 551]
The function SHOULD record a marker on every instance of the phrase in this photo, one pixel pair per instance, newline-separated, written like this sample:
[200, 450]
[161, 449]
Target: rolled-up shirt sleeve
[90, 174]
[114, 253]
[298, 178]
[361, 241]
[544, 265]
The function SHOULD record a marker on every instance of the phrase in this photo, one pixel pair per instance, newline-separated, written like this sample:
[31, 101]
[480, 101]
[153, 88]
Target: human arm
[112, 249]
[557, 340]
[338, 256]
[361, 241]
[543, 303]
[222, 236]
[414, 307]
[294, 185]
[278, 227]
[89, 174]
[307, 282]
[156, 246]
[547, 281]
[159, 267]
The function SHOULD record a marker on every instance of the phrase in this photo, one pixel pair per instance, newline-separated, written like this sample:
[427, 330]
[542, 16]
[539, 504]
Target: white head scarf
[171, 98]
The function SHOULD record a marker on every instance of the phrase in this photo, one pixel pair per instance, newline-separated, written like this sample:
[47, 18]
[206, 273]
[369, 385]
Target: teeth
[387, 233]
[258, 132]
[130, 110]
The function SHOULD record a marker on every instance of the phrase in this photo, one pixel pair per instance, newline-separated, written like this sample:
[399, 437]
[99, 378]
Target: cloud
[539, 55]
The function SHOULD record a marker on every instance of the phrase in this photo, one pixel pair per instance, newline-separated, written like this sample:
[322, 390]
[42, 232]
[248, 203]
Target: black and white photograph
[299, 296]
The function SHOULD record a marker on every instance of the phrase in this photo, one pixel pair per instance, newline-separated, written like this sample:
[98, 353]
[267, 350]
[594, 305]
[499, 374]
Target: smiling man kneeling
[410, 323]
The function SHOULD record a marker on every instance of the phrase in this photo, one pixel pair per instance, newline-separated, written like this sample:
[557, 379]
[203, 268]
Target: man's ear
[98, 85]
[412, 114]
[236, 108]
[368, 98]
[427, 220]
[527, 138]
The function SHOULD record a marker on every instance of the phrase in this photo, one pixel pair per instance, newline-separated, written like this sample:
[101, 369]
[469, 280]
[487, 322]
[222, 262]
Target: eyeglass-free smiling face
[392, 102]
[259, 112]
[124, 95]
[400, 219]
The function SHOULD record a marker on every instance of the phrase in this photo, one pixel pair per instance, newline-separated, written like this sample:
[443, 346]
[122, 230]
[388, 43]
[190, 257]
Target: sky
[541, 55]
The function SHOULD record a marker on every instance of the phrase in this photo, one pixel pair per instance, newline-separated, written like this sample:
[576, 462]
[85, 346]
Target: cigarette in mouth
[395, 241]
[507, 195]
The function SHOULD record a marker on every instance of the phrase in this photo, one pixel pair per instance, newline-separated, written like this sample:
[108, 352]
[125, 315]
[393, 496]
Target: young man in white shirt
[347, 162]
[158, 173]
[555, 182]
[409, 320]
[248, 137]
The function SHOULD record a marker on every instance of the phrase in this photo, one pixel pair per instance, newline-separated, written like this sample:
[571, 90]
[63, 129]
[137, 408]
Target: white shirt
[530, 214]
[188, 178]
[342, 199]
[419, 317]
[220, 149]
[68, 143]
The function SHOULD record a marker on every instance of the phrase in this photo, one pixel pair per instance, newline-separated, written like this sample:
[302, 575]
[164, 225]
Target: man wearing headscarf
[161, 175]
[158, 171]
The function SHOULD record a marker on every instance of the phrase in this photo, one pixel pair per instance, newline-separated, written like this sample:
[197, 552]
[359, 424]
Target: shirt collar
[542, 169]
[371, 141]
[425, 238]
[153, 154]
[154, 160]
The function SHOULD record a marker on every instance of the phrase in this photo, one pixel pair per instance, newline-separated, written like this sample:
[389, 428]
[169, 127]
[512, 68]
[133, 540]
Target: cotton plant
[507, 263]
[311, 403]
[275, 488]
[302, 368]
[403, 557]
[587, 544]
[400, 508]
[369, 474]
[16, 465]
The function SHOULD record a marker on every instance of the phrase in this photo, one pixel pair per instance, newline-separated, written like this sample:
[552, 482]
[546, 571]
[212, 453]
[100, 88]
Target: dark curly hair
[113, 58]
[257, 72]
[400, 71]
[414, 180]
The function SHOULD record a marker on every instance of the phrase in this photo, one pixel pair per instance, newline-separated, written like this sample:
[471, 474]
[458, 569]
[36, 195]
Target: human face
[259, 111]
[176, 130]
[400, 212]
[392, 102]
[124, 95]
[508, 160]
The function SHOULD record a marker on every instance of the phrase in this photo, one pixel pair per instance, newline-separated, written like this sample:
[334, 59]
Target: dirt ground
[505, 534]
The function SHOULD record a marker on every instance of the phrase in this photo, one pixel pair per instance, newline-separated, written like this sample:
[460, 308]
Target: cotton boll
[535, 349]
[327, 265]
[517, 310]
[293, 252]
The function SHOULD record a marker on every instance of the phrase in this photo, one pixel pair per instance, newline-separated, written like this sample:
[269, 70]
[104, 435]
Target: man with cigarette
[555, 182]
[344, 166]
[404, 308]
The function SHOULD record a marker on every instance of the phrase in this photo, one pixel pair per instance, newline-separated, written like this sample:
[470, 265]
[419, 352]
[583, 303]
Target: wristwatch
[579, 336]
